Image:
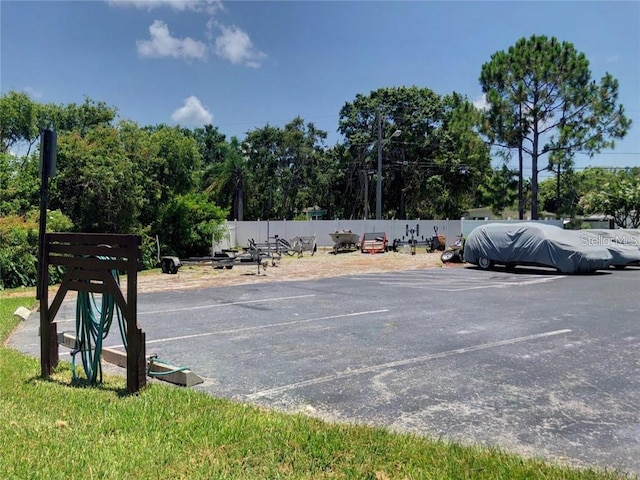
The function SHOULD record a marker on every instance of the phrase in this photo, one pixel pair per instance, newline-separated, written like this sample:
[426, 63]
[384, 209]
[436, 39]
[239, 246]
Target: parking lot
[534, 362]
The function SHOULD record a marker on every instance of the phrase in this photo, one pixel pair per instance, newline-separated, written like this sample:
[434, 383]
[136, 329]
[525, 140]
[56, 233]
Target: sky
[241, 65]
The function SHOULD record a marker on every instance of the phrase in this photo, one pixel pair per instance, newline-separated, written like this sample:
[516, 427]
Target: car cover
[535, 244]
[623, 245]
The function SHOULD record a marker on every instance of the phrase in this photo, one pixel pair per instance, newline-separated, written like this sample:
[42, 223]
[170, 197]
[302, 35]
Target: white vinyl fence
[239, 233]
[262, 231]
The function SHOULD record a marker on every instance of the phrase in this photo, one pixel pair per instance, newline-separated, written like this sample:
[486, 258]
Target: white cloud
[192, 113]
[235, 45]
[33, 93]
[232, 43]
[207, 6]
[162, 44]
[481, 102]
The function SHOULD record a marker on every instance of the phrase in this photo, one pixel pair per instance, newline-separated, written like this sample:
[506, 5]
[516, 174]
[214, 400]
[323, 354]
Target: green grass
[60, 429]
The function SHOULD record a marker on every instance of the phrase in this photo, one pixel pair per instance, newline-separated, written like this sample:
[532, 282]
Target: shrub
[19, 250]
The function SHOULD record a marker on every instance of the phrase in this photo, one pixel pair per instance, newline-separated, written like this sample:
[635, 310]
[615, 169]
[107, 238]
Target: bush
[189, 222]
[19, 251]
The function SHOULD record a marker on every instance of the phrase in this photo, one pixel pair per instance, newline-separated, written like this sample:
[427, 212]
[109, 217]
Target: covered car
[534, 244]
[623, 245]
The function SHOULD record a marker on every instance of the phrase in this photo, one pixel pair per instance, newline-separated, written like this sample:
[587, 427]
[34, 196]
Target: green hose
[153, 373]
[93, 323]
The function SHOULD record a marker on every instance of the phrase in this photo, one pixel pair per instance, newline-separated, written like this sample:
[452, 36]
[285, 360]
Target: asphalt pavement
[534, 362]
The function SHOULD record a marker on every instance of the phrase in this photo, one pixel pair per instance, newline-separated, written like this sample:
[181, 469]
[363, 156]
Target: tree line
[116, 176]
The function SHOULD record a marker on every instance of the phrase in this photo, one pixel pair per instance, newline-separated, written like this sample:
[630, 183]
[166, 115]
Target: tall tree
[432, 155]
[301, 150]
[19, 183]
[618, 197]
[226, 178]
[500, 189]
[542, 100]
[180, 163]
[285, 165]
[261, 147]
[96, 183]
[22, 119]
[211, 143]
[18, 121]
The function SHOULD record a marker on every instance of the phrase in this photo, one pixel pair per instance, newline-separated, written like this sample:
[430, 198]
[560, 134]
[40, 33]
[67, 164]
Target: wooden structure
[89, 260]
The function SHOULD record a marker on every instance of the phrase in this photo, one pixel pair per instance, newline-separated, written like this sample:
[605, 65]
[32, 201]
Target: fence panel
[261, 231]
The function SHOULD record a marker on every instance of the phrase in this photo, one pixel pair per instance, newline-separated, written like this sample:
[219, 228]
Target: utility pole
[379, 180]
[380, 144]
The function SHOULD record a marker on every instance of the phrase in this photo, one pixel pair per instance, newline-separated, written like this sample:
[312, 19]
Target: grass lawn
[63, 429]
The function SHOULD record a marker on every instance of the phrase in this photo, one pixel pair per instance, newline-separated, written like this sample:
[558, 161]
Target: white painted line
[213, 305]
[504, 284]
[216, 305]
[262, 327]
[400, 363]
[463, 284]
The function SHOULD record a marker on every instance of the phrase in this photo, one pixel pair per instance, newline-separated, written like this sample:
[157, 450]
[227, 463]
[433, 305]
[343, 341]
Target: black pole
[48, 147]
[44, 193]
[48, 329]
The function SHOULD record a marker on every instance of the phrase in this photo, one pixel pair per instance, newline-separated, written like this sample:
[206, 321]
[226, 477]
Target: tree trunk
[520, 167]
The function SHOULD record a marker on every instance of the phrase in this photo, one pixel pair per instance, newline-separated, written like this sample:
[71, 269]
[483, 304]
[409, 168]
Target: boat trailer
[345, 240]
[435, 243]
[255, 254]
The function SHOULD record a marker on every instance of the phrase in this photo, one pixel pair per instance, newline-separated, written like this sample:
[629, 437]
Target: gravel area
[289, 268]
[323, 264]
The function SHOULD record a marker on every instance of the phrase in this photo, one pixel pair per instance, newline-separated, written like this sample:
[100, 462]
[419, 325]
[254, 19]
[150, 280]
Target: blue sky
[240, 65]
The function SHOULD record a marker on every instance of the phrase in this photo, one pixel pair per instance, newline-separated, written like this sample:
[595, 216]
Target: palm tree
[226, 180]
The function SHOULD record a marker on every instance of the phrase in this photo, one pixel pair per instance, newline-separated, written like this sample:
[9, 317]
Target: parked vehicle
[374, 242]
[534, 244]
[623, 245]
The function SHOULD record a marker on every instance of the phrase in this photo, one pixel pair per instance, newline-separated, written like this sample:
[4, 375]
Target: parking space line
[455, 283]
[263, 327]
[216, 305]
[501, 284]
[400, 363]
[201, 307]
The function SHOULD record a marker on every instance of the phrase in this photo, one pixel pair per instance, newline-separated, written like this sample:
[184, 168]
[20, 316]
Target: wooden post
[48, 329]
[89, 260]
[136, 356]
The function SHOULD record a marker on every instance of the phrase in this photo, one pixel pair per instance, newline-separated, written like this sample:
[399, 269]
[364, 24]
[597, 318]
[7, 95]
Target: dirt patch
[323, 264]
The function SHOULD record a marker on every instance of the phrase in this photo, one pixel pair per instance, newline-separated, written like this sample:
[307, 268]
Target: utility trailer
[254, 254]
[436, 242]
[345, 240]
[303, 243]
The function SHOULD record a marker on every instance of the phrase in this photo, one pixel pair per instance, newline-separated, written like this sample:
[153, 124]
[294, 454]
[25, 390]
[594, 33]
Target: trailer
[254, 254]
[302, 243]
[374, 242]
[413, 241]
[345, 240]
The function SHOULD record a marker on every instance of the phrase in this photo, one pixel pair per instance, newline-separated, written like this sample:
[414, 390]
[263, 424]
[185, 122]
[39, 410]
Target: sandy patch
[323, 264]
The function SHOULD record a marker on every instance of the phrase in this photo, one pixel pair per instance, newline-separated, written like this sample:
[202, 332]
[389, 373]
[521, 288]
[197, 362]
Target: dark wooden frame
[89, 260]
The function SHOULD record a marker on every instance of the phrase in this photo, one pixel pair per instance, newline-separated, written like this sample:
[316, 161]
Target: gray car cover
[623, 245]
[535, 244]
